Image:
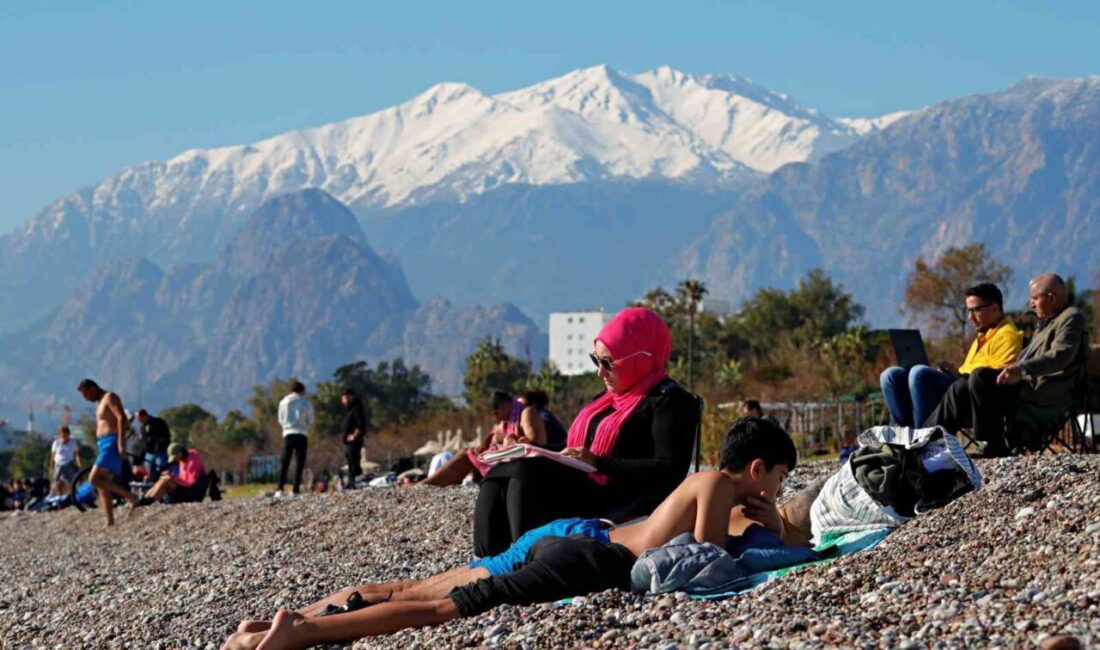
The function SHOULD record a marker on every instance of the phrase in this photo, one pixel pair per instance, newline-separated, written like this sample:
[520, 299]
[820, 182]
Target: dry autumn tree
[937, 290]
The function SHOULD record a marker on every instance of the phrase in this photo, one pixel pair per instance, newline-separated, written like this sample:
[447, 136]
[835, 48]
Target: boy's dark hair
[349, 393]
[298, 387]
[499, 397]
[87, 384]
[987, 292]
[143, 412]
[752, 438]
[535, 398]
[753, 405]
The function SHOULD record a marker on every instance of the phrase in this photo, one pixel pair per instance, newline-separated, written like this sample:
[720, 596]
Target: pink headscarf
[632, 330]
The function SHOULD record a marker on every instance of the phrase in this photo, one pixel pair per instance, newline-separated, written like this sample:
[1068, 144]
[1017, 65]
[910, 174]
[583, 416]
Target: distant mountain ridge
[299, 291]
[1017, 170]
[450, 143]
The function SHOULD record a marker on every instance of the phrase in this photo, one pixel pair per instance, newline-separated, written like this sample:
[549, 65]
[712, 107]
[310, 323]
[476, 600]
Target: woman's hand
[580, 453]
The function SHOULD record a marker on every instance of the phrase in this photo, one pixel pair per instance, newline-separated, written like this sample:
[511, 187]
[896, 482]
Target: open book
[531, 451]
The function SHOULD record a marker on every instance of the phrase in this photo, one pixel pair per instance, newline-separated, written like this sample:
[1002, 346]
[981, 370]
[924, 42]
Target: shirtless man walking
[110, 431]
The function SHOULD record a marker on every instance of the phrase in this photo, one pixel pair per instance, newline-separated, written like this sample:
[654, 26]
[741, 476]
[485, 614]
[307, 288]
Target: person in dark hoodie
[356, 423]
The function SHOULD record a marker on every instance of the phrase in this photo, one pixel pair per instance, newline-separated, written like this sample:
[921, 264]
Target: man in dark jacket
[157, 437]
[356, 423]
[1045, 376]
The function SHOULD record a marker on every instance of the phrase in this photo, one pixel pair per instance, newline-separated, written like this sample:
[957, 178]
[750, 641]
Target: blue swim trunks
[108, 457]
[506, 562]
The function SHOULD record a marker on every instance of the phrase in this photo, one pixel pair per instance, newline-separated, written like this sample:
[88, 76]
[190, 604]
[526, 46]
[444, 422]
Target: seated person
[537, 425]
[756, 456]
[1045, 375]
[506, 414]
[912, 394]
[187, 484]
[638, 435]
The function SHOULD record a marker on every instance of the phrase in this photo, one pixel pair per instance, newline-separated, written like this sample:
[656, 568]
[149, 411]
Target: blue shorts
[506, 562]
[108, 457]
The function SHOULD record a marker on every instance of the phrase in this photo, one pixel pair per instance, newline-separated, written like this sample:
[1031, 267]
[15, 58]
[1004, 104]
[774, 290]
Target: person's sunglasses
[608, 364]
[974, 310]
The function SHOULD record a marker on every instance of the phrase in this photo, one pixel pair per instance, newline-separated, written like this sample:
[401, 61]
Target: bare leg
[452, 472]
[101, 480]
[108, 502]
[434, 588]
[290, 630]
[160, 488]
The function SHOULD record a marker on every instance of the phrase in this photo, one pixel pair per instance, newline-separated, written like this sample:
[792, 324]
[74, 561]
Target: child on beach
[756, 456]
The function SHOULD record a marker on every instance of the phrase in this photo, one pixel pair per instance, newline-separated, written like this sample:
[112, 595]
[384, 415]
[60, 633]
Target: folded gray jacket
[686, 565]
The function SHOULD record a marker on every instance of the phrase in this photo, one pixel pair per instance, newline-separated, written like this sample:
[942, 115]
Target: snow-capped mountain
[451, 143]
[590, 124]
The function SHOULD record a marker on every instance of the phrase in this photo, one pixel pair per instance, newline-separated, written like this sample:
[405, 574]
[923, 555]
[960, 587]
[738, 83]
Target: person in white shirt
[295, 417]
[64, 460]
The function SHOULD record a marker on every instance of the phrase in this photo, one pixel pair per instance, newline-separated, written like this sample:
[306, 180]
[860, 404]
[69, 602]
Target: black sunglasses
[608, 364]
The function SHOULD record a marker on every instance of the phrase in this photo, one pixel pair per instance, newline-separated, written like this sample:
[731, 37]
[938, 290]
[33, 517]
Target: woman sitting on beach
[566, 558]
[522, 421]
[638, 435]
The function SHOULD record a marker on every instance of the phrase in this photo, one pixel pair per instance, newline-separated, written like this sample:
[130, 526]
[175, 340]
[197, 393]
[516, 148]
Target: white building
[571, 336]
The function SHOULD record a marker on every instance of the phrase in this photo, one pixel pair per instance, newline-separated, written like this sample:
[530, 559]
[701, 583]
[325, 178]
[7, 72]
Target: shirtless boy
[756, 456]
[111, 426]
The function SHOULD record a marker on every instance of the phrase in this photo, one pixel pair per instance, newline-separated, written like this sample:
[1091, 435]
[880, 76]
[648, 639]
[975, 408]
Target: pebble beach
[1014, 565]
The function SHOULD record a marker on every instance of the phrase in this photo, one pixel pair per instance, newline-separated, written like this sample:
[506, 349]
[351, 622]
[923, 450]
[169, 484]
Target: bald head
[1049, 295]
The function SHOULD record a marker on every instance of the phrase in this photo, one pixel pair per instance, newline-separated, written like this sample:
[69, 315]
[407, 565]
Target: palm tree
[691, 293]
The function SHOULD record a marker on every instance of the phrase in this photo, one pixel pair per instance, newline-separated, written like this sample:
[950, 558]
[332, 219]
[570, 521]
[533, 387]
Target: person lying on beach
[756, 456]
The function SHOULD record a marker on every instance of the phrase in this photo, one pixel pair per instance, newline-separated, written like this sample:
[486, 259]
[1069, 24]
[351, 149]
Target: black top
[356, 417]
[653, 450]
[555, 431]
[155, 435]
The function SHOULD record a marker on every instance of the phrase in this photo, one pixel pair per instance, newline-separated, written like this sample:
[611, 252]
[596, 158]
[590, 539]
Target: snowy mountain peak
[452, 141]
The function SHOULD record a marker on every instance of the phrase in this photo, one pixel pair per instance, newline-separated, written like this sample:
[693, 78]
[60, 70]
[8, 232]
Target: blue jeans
[912, 395]
[155, 464]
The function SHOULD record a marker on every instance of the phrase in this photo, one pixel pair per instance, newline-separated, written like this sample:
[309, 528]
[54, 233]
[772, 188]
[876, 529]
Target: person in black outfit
[356, 423]
[553, 432]
[156, 437]
[638, 435]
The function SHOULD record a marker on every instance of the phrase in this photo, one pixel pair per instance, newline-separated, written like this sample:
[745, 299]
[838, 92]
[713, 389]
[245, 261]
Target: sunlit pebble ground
[1007, 566]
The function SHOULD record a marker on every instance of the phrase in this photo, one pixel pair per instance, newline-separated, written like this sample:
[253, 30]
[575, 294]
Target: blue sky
[89, 88]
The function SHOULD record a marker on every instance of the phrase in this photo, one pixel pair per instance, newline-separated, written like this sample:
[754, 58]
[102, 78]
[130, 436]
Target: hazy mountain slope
[449, 143]
[1018, 170]
[297, 292]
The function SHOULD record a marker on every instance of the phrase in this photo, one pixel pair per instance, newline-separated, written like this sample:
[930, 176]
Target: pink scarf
[632, 330]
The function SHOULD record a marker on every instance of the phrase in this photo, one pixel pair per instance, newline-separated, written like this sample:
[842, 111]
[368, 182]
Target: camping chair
[699, 431]
[1037, 428]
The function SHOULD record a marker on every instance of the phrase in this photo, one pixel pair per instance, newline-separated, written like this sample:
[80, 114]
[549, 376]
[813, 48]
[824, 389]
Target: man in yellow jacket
[912, 395]
[1044, 377]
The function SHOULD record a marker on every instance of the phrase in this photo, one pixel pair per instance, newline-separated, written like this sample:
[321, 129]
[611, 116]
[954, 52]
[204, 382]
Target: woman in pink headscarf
[638, 435]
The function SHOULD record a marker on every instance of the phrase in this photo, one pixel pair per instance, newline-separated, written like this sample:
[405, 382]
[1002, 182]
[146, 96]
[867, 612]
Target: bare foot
[282, 632]
[243, 641]
[253, 626]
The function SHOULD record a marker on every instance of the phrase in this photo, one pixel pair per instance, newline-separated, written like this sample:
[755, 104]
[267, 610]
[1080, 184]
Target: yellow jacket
[995, 348]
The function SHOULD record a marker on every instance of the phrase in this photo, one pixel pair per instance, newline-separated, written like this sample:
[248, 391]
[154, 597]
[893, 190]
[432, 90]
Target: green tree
[816, 309]
[937, 290]
[395, 393]
[490, 368]
[691, 293]
[239, 432]
[264, 403]
[183, 419]
[31, 458]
